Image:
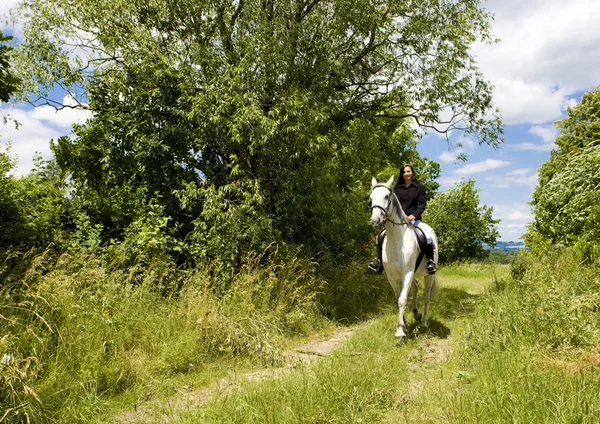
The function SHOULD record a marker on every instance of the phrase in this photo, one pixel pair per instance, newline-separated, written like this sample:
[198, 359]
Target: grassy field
[498, 350]
[369, 379]
[531, 349]
[514, 344]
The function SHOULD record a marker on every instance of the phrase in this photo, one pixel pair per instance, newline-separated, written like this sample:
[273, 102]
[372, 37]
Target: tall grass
[351, 292]
[75, 329]
[532, 348]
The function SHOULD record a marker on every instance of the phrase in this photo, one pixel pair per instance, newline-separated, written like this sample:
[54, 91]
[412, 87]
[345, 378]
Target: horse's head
[381, 201]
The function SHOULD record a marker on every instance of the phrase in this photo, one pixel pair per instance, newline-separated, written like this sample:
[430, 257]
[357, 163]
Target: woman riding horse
[413, 200]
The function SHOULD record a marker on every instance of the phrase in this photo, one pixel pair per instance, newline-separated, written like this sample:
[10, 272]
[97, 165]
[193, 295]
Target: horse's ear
[373, 182]
[390, 181]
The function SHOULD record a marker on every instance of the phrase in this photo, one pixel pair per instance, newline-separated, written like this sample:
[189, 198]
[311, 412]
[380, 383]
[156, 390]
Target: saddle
[422, 243]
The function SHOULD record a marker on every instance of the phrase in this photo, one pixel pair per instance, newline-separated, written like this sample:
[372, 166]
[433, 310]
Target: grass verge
[531, 350]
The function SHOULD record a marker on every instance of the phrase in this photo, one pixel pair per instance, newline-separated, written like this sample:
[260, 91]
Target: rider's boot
[430, 265]
[377, 263]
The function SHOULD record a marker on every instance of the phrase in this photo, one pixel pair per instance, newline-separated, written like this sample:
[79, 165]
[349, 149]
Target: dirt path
[155, 411]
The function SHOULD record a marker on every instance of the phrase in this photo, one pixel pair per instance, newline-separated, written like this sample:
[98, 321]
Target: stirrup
[376, 266]
[431, 268]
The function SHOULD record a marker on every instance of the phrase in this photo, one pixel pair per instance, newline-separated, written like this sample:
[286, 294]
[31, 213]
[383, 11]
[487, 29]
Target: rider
[413, 199]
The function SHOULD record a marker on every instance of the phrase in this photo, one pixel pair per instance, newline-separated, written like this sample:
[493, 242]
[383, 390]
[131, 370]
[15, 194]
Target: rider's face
[407, 173]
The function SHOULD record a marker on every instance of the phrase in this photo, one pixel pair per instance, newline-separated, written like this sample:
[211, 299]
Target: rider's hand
[411, 217]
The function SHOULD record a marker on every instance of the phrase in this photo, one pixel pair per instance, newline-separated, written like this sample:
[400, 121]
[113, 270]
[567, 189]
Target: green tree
[253, 120]
[569, 183]
[8, 82]
[33, 208]
[463, 226]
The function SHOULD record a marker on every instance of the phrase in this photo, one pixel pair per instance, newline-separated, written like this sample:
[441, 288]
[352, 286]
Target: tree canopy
[8, 81]
[463, 226]
[569, 183]
[248, 121]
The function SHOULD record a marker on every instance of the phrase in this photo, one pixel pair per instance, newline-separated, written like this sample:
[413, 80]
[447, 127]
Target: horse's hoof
[424, 324]
[400, 334]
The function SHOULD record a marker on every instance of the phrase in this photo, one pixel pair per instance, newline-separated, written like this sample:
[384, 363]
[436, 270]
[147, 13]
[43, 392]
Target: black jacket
[412, 198]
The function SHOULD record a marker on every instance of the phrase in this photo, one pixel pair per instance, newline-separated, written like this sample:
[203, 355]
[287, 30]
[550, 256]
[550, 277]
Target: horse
[400, 251]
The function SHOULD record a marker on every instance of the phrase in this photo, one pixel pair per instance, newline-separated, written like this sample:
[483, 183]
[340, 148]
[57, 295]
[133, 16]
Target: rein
[389, 205]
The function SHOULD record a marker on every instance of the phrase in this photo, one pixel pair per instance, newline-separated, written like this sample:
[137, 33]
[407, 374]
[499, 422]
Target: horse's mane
[399, 209]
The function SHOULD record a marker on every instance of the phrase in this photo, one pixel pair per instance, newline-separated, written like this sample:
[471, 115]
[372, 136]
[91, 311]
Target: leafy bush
[589, 242]
[564, 201]
[548, 303]
[351, 292]
[33, 208]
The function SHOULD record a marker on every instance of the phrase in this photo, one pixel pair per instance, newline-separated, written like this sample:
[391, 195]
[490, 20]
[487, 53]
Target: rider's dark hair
[414, 176]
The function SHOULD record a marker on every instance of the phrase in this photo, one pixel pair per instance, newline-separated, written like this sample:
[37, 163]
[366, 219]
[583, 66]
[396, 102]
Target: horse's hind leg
[429, 282]
[415, 308]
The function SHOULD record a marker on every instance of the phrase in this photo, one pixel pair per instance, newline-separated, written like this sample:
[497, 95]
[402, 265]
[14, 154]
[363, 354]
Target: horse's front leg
[402, 300]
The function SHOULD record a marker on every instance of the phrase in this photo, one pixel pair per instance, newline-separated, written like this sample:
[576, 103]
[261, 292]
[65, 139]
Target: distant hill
[508, 246]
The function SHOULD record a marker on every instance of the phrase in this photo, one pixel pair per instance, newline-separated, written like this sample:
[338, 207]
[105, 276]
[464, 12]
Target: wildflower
[7, 359]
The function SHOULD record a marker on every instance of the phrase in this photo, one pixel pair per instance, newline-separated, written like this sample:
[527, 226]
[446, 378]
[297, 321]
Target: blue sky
[547, 57]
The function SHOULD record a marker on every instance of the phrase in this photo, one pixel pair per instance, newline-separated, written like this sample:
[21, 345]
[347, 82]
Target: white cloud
[482, 166]
[521, 172]
[522, 102]
[447, 157]
[569, 103]
[547, 133]
[546, 147]
[449, 181]
[527, 177]
[549, 50]
[37, 127]
[464, 145]
[514, 219]
[5, 8]
[467, 143]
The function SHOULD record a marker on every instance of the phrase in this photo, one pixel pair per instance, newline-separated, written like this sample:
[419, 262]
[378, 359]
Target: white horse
[400, 251]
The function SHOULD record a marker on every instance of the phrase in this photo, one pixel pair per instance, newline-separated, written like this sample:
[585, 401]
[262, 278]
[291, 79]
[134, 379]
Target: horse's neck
[395, 225]
[398, 224]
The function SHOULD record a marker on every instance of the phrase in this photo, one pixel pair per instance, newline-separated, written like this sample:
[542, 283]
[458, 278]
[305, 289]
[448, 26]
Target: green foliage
[8, 82]
[33, 208]
[569, 183]
[251, 122]
[497, 256]
[589, 243]
[352, 292]
[461, 224]
[563, 203]
[229, 227]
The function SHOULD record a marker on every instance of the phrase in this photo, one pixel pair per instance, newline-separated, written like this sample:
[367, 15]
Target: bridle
[389, 205]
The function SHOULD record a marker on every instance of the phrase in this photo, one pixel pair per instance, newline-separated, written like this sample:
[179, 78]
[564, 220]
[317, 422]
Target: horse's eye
[387, 196]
